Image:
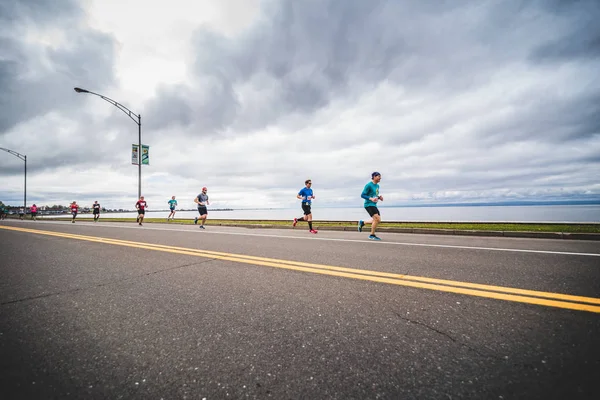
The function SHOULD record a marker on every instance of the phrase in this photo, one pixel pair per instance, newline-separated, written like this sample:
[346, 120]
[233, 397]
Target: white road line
[213, 232]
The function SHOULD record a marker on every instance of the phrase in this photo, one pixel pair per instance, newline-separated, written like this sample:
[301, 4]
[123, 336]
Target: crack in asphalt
[105, 283]
[479, 353]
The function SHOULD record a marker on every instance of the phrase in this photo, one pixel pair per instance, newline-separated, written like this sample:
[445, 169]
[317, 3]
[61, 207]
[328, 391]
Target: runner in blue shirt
[371, 196]
[172, 205]
[306, 195]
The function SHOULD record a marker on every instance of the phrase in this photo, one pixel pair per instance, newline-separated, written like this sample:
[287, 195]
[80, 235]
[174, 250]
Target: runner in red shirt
[141, 206]
[74, 209]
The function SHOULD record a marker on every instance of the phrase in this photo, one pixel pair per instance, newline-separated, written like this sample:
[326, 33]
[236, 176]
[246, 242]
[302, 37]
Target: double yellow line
[548, 299]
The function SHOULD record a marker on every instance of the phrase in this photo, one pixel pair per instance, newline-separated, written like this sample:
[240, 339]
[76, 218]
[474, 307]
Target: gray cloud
[546, 119]
[174, 108]
[300, 56]
[578, 39]
[36, 78]
[208, 110]
[299, 59]
[54, 142]
[580, 44]
[40, 12]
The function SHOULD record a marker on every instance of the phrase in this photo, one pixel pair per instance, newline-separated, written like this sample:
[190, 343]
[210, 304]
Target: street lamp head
[80, 90]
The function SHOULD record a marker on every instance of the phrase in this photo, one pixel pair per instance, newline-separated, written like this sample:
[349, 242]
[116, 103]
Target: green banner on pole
[145, 155]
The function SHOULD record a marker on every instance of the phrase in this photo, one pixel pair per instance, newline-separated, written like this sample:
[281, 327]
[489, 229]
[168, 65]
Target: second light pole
[137, 118]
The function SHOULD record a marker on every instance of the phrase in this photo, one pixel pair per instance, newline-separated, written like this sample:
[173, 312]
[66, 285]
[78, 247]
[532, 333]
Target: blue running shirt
[306, 193]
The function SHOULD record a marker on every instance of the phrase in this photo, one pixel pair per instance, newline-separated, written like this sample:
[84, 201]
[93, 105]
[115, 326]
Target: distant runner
[2, 211]
[96, 210]
[34, 211]
[202, 201]
[371, 196]
[74, 209]
[306, 195]
[172, 205]
[21, 213]
[141, 206]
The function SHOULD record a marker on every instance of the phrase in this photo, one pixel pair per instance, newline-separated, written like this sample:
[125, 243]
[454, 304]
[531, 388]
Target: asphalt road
[118, 311]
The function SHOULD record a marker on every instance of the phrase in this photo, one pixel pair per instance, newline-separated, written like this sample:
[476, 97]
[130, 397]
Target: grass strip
[467, 226]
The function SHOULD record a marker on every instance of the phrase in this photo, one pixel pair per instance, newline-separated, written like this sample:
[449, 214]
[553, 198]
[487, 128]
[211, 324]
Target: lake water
[551, 213]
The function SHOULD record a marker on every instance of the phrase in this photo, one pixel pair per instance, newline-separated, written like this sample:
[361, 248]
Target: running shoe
[202, 227]
[295, 221]
[361, 223]
[313, 231]
[196, 220]
[373, 237]
[140, 223]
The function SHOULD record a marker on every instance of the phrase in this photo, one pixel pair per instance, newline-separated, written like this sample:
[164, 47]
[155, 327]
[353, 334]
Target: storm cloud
[300, 56]
[34, 74]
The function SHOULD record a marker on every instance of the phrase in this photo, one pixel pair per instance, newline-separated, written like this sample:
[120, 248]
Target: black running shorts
[372, 210]
[141, 212]
[202, 210]
[306, 208]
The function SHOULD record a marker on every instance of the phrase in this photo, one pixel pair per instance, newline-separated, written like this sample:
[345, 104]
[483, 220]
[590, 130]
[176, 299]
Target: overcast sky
[452, 101]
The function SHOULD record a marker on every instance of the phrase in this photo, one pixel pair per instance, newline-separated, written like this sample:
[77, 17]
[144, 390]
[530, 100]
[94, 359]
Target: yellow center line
[500, 289]
[473, 289]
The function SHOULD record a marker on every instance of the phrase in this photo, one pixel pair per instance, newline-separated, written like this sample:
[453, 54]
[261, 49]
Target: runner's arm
[365, 196]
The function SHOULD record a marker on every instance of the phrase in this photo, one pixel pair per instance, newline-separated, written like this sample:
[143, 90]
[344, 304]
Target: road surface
[115, 310]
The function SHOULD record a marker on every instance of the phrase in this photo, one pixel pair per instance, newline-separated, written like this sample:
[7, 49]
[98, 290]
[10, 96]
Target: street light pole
[139, 156]
[25, 186]
[24, 158]
[135, 118]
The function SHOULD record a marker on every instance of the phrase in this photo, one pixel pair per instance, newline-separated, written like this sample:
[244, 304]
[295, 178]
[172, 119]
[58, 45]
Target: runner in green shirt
[371, 196]
[172, 205]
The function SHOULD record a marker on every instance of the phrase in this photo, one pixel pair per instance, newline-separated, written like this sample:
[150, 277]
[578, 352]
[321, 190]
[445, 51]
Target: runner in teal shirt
[172, 205]
[371, 190]
[371, 196]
